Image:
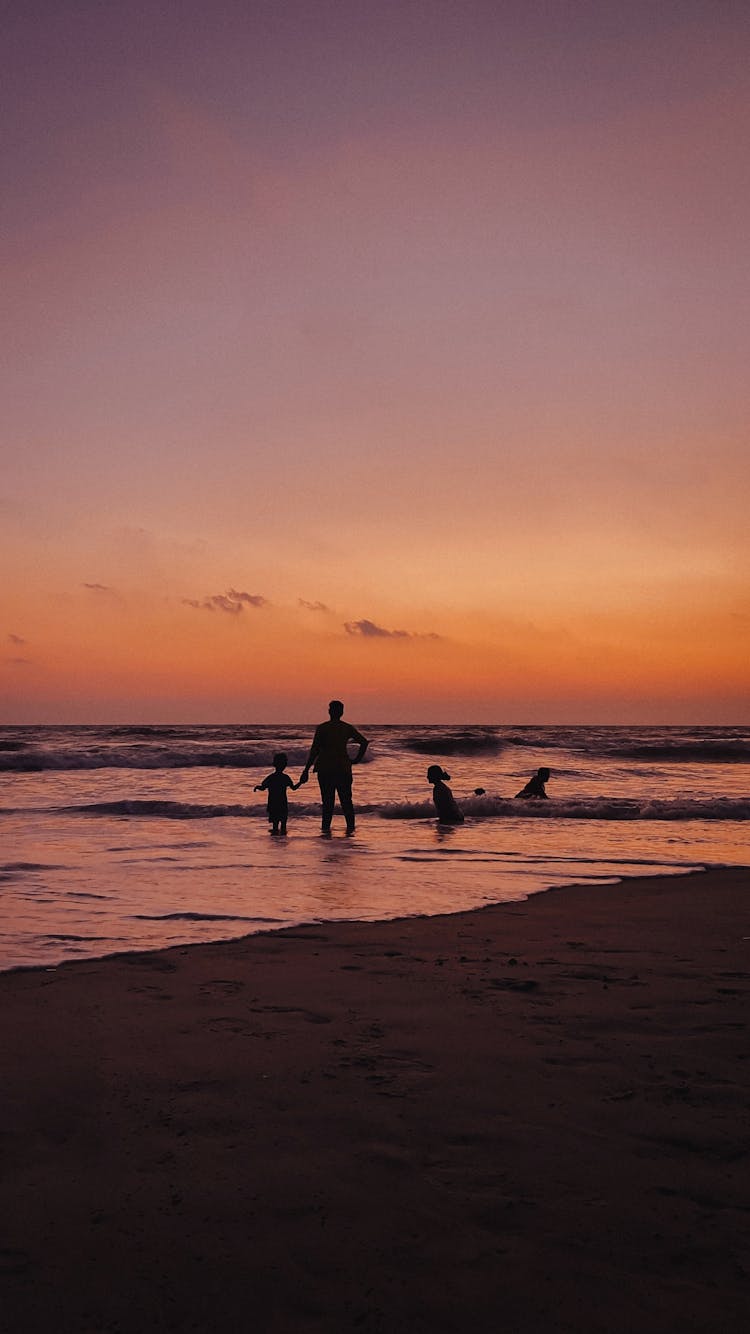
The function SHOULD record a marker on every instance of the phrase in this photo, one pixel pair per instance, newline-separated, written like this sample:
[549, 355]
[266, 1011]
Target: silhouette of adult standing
[332, 763]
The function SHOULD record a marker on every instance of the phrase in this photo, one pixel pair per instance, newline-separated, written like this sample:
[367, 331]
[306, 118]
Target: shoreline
[688, 869]
[530, 1115]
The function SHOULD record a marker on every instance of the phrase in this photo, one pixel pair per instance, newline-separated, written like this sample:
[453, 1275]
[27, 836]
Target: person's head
[335, 709]
[543, 774]
[280, 760]
[436, 775]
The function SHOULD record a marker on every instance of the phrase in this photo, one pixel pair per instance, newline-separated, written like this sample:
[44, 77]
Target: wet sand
[533, 1117]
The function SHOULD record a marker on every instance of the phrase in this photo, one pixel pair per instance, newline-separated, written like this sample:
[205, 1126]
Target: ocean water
[122, 838]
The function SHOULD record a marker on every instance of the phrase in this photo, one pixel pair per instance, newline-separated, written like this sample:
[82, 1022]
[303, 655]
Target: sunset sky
[388, 349]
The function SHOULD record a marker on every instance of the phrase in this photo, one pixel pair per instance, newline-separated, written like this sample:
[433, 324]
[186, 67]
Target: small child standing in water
[445, 802]
[276, 785]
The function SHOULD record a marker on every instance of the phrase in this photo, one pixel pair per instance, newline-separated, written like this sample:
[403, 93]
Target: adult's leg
[327, 797]
[344, 789]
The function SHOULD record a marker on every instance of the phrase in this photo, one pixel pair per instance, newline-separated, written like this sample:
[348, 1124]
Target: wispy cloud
[103, 592]
[232, 602]
[17, 639]
[369, 630]
[20, 662]
[312, 606]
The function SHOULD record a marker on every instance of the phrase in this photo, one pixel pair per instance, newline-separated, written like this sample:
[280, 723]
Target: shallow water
[117, 839]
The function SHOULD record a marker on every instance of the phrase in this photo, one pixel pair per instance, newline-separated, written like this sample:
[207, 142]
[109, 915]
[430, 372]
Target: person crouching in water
[445, 802]
[535, 785]
[276, 785]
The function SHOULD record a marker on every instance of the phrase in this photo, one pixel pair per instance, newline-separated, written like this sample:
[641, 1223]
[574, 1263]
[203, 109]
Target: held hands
[303, 778]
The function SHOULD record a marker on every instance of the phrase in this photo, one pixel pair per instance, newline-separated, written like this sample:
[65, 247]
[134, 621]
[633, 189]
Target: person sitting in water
[445, 803]
[535, 785]
[276, 785]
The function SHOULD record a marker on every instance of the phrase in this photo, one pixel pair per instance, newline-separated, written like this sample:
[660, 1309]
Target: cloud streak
[366, 629]
[103, 592]
[17, 639]
[232, 602]
[312, 606]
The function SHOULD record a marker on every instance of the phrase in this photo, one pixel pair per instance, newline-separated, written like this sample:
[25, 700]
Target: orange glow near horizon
[426, 338]
[282, 662]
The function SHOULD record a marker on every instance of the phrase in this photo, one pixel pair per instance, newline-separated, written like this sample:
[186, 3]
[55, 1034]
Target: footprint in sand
[231, 1024]
[151, 961]
[221, 987]
[311, 1016]
[14, 1262]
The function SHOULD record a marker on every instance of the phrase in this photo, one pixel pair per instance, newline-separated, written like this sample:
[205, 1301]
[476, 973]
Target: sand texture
[534, 1117]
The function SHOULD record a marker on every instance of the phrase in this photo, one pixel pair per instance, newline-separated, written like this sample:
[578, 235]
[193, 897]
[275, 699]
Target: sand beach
[530, 1117]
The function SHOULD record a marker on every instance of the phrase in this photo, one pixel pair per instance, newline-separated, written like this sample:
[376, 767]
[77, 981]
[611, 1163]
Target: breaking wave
[169, 810]
[459, 741]
[691, 752]
[149, 747]
[485, 807]
[251, 756]
[599, 808]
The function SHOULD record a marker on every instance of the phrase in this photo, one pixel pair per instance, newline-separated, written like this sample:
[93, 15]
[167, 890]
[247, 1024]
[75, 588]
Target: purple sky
[433, 314]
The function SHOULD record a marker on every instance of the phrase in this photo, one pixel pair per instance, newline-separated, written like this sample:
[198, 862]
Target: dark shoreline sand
[532, 1117]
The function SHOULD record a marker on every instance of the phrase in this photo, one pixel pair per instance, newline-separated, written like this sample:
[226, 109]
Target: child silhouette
[276, 785]
[445, 803]
[535, 785]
